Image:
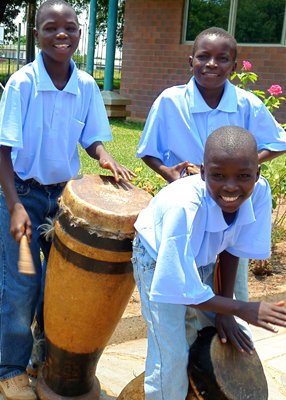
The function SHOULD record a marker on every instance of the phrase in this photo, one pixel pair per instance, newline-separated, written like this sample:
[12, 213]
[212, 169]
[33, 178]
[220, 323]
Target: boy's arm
[98, 152]
[261, 314]
[20, 221]
[169, 173]
[267, 155]
[228, 266]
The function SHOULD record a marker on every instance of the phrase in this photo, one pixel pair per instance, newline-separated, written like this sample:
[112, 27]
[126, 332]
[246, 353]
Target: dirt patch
[273, 284]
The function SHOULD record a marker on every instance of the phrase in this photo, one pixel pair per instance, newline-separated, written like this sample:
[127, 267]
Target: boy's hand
[264, 314]
[229, 330]
[20, 223]
[118, 170]
[182, 170]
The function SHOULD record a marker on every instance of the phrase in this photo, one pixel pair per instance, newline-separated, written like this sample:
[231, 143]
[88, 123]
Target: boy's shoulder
[245, 95]
[261, 196]
[173, 92]
[182, 192]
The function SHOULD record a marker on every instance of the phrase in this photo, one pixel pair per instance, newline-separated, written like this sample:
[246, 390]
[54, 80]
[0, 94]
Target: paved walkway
[120, 363]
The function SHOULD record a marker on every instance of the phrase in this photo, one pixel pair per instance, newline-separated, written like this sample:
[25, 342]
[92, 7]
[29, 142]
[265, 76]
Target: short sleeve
[254, 240]
[268, 133]
[151, 142]
[176, 279]
[97, 126]
[11, 118]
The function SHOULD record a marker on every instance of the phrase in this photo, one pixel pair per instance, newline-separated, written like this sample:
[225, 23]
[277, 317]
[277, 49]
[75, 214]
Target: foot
[17, 388]
[37, 357]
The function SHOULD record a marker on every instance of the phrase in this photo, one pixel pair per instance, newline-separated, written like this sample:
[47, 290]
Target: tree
[9, 10]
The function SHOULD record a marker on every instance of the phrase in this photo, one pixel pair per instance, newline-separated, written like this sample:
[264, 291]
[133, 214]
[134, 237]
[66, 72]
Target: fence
[13, 57]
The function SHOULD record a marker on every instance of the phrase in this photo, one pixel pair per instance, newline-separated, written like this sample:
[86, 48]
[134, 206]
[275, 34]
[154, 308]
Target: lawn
[126, 136]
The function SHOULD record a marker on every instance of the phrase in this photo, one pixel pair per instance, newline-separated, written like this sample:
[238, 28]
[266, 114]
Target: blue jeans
[20, 294]
[167, 356]
[241, 281]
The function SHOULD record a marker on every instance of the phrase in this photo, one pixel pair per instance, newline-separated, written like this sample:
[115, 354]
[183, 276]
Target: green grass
[126, 136]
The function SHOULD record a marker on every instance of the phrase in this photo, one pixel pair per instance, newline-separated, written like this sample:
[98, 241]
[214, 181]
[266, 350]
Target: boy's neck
[229, 217]
[58, 72]
[211, 96]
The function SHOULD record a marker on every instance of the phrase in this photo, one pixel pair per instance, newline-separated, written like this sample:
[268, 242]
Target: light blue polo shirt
[183, 229]
[180, 121]
[43, 125]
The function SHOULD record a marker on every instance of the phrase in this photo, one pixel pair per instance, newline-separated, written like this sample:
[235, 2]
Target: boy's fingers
[280, 303]
[267, 326]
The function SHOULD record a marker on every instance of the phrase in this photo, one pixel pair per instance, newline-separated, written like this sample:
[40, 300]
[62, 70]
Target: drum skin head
[240, 376]
[218, 371]
[134, 390]
[104, 206]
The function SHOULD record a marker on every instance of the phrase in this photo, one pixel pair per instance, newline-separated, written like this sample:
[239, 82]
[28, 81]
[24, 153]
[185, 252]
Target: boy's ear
[202, 168]
[234, 66]
[258, 173]
[191, 61]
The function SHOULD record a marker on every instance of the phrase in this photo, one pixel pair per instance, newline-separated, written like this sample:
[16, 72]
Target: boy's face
[230, 179]
[213, 61]
[58, 33]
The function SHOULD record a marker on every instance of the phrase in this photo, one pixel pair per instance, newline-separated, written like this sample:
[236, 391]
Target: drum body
[88, 283]
[218, 371]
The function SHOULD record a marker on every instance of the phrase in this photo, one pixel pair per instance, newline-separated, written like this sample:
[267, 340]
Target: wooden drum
[89, 282]
[216, 372]
[219, 372]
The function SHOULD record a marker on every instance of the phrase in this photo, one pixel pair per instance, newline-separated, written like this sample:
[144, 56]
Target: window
[256, 21]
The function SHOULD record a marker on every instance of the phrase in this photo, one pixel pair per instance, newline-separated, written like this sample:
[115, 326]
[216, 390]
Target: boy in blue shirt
[225, 210]
[47, 108]
[182, 118]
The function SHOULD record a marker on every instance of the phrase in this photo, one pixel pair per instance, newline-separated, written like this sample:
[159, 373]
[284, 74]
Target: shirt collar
[197, 103]
[216, 221]
[44, 82]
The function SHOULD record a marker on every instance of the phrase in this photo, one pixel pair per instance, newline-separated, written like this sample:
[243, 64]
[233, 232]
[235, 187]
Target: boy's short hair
[49, 4]
[217, 32]
[231, 139]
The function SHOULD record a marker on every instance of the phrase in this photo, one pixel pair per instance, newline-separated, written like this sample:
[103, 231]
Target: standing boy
[182, 117]
[225, 211]
[47, 108]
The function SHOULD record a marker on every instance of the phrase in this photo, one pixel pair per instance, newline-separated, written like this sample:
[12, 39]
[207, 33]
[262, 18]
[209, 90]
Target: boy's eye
[217, 175]
[202, 57]
[224, 59]
[72, 28]
[49, 28]
[244, 176]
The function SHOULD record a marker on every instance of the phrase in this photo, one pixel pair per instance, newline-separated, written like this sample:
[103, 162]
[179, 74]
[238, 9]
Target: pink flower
[247, 65]
[274, 90]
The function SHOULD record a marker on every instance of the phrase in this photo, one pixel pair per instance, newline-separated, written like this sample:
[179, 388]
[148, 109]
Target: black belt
[33, 182]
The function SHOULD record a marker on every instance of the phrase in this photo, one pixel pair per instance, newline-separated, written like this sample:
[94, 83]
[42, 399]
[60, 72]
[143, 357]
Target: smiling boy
[225, 211]
[48, 107]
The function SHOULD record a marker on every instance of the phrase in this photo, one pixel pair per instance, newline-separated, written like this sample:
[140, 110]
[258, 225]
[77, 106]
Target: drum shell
[218, 371]
[89, 282]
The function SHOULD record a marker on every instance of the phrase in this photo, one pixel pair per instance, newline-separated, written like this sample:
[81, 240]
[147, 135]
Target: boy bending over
[225, 211]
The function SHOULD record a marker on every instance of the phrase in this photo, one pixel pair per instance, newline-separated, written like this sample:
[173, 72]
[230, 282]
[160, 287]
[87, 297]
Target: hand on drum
[117, 169]
[229, 330]
[264, 314]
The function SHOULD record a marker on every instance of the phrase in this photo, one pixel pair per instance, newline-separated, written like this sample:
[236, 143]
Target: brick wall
[154, 58]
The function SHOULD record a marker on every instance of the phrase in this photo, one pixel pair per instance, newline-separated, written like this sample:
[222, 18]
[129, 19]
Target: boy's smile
[230, 178]
[58, 33]
[212, 62]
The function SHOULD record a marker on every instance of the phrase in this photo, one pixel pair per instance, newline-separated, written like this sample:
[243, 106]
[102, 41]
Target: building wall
[153, 57]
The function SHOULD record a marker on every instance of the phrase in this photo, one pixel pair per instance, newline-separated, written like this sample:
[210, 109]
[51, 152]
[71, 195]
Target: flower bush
[151, 185]
[272, 100]
[274, 171]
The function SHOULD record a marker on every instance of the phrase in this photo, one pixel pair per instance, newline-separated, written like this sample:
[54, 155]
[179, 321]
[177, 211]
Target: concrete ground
[124, 357]
[120, 363]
